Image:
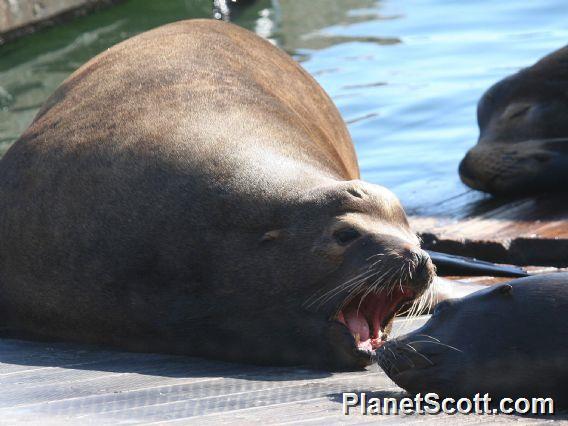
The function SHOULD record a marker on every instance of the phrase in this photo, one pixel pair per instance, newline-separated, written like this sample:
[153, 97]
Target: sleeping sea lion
[523, 132]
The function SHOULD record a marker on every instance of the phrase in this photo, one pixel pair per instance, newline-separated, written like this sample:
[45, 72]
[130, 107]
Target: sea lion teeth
[357, 339]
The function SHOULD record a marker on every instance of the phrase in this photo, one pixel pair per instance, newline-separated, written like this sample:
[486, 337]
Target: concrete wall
[23, 16]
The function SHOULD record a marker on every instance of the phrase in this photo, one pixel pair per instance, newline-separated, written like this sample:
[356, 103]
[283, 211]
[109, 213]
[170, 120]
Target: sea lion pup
[523, 132]
[193, 190]
[508, 340]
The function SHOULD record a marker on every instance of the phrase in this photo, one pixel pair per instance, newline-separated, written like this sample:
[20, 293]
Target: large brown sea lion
[523, 132]
[193, 190]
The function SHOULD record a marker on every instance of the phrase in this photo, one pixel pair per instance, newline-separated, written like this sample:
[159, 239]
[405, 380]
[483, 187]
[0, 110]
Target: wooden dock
[526, 231]
[53, 383]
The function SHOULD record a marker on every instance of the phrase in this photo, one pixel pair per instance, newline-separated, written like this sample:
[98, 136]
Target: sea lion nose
[424, 269]
[477, 168]
[465, 170]
[417, 268]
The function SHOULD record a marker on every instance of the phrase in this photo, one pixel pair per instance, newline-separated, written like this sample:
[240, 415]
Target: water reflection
[406, 76]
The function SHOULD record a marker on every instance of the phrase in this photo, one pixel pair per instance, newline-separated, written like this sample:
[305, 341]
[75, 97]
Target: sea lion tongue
[357, 324]
[364, 318]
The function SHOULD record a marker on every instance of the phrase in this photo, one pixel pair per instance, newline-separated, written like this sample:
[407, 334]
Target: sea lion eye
[345, 235]
[516, 110]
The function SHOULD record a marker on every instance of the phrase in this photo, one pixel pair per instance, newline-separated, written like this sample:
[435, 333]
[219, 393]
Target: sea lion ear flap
[505, 289]
[356, 190]
[271, 235]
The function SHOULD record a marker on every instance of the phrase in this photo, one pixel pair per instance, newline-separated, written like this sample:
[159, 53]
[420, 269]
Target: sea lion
[508, 340]
[451, 264]
[523, 132]
[193, 190]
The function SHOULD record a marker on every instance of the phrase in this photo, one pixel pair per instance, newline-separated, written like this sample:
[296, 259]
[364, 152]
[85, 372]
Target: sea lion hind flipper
[450, 264]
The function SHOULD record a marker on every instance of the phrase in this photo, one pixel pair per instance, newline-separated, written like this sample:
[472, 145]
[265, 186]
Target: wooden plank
[121, 388]
[230, 397]
[529, 231]
[65, 382]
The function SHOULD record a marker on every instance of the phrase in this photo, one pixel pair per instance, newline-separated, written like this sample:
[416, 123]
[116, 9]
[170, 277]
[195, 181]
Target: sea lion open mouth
[369, 317]
[381, 276]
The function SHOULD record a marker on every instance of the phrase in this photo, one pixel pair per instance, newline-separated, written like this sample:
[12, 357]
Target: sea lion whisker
[369, 291]
[375, 287]
[380, 281]
[335, 290]
[436, 343]
[418, 307]
[423, 302]
[375, 255]
[420, 304]
[363, 275]
[338, 289]
[361, 300]
[354, 286]
[431, 337]
[415, 309]
[408, 359]
[420, 354]
[393, 354]
[377, 283]
[326, 297]
[410, 311]
[351, 295]
[387, 283]
[367, 270]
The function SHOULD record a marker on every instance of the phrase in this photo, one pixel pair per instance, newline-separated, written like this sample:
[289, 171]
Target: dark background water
[406, 75]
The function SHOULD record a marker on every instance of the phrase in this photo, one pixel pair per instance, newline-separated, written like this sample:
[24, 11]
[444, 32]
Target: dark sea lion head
[523, 132]
[506, 340]
[347, 262]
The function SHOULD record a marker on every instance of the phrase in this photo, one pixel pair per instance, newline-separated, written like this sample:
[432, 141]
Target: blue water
[406, 75]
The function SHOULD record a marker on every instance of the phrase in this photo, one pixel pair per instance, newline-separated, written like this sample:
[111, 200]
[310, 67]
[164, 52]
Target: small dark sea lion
[508, 340]
[523, 132]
